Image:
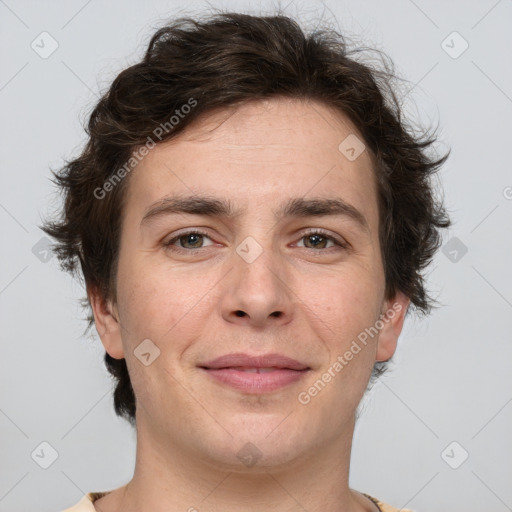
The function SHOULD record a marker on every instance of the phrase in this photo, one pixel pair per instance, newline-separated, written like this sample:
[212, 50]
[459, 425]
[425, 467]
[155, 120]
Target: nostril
[275, 313]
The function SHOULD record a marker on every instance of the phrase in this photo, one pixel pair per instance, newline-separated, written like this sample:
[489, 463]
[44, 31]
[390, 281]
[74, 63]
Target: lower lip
[256, 382]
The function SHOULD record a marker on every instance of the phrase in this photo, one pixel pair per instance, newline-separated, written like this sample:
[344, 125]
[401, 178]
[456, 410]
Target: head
[248, 114]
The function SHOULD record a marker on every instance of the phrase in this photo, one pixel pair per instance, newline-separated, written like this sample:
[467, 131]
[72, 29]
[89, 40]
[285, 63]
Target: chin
[262, 442]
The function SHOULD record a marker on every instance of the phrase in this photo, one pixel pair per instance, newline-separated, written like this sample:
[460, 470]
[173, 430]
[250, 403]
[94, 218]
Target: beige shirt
[86, 504]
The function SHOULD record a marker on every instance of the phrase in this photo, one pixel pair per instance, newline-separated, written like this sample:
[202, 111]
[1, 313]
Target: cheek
[347, 301]
[156, 308]
[167, 306]
[150, 303]
[345, 306]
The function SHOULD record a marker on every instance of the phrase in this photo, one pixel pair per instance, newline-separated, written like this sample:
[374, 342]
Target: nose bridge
[257, 292]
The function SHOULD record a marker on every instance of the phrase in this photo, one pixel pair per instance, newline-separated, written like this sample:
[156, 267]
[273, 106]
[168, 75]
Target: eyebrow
[215, 207]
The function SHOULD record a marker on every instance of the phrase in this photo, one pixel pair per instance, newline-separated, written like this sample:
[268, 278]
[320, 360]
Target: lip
[248, 361]
[227, 370]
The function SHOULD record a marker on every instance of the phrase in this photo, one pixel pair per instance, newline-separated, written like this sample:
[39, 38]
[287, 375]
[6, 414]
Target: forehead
[258, 155]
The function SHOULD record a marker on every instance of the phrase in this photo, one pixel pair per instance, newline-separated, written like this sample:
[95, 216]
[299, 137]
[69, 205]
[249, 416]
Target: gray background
[452, 380]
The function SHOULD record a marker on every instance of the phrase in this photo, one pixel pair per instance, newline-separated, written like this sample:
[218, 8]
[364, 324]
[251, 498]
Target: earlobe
[392, 318]
[107, 324]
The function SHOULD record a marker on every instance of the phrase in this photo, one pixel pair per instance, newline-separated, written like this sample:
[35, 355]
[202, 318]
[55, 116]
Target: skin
[189, 427]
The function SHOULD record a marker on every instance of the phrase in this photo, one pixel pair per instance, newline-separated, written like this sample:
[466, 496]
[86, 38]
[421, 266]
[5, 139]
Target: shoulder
[86, 503]
[384, 507]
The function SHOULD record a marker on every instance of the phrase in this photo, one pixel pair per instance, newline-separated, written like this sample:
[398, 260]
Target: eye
[188, 240]
[318, 240]
[194, 239]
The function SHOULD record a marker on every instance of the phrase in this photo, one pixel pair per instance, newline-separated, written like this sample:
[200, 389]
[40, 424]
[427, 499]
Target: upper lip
[247, 361]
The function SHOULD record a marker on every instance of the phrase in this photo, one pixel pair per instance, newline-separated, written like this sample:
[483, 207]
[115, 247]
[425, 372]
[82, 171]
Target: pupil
[315, 237]
[192, 236]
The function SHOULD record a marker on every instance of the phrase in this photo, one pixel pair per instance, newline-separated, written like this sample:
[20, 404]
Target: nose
[257, 293]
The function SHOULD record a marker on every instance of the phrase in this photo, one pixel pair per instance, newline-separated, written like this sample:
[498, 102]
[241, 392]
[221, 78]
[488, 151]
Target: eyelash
[321, 232]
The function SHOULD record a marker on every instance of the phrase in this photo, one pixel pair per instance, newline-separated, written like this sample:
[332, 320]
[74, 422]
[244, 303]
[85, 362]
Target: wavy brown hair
[222, 62]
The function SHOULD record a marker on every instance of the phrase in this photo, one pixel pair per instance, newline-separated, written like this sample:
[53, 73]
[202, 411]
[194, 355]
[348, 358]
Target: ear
[107, 323]
[392, 316]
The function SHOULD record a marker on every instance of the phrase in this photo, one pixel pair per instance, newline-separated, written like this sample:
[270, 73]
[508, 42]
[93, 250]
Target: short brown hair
[225, 61]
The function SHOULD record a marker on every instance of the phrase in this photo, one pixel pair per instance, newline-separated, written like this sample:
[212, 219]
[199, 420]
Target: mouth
[256, 380]
[254, 370]
[255, 374]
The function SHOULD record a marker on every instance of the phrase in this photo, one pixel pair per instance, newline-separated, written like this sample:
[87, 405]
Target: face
[278, 254]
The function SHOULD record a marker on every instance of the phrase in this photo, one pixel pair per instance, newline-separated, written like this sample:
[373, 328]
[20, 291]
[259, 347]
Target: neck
[169, 477]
